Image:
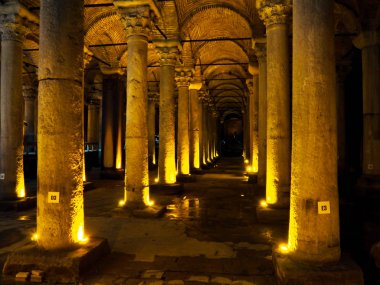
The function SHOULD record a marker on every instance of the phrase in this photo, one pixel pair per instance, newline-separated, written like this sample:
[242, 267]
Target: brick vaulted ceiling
[215, 36]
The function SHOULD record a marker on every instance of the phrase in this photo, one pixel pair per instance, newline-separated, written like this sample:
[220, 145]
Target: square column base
[268, 215]
[289, 272]
[63, 266]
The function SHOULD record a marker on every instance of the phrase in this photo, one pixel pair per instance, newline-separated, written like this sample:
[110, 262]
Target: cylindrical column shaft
[278, 104]
[136, 138]
[12, 114]
[369, 43]
[152, 129]
[201, 133]
[194, 129]
[253, 123]
[314, 209]
[93, 123]
[166, 155]
[30, 115]
[261, 55]
[60, 217]
[183, 77]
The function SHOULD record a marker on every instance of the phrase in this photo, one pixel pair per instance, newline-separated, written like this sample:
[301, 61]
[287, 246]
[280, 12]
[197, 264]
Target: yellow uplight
[34, 237]
[121, 203]
[263, 204]
[81, 237]
[246, 161]
[156, 180]
[21, 193]
[151, 203]
[283, 248]
[249, 169]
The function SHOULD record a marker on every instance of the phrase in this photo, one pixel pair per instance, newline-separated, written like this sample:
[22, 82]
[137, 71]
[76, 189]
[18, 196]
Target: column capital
[261, 52]
[195, 84]
[29, 92]
[183, 76]
[367, 39]
[154, 96]
[11, 29]
[249, 83]
[274, 11]
[87, 56]
[168, 52]
[137, 20]
[110, 70]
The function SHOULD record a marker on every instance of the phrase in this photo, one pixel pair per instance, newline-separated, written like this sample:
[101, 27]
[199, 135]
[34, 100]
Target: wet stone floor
[209, 234]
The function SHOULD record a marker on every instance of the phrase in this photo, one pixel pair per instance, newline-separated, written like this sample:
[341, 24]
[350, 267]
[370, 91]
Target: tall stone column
[93, 122]
[275, 14]
[153, 98]
[314, 209]
[29, 94]
[166, 157]
[202, 159]
[253, 123]
[60, 225]
[260, 51]
[183, 77]
[369, 43]
[195, 126]
[137, 21]
[12, 110]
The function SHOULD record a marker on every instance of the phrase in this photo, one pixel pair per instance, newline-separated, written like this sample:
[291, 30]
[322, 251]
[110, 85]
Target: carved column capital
[11, 28]
[367, 39]
[168, 52]
[183, 76]
[261, 52]
[274, 11]
[29, 92]
[249, 83]
[87, 56]
[154, 96]
[137, 20]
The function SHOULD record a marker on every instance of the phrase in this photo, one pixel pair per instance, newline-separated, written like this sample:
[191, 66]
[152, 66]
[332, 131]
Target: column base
[88, 185]
[267, 215]
[166, 189]
[289, 272]
[63, 266]
[19, 204]
[151, 212]
[186, 178]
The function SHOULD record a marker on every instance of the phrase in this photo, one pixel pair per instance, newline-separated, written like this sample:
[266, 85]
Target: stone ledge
[18, 205]
[288, 272]
[166, 189]
[65, 266]
[269, 215]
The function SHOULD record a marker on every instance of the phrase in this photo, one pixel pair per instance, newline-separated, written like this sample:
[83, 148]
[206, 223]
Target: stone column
[60, 225]
[183, 77]
[153, 98]
[275, 17]
[137, 21]
[93, 122]
[201, 130]
[166, 157]
[195, 126]
[253, 123]
[369, 43]
[12, 111]
[314, 211]
[206, 133]
[260, 51]
[29, 94]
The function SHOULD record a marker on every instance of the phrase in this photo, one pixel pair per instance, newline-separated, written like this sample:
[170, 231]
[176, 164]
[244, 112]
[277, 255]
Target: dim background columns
[168, 52]
[12, 109]
[60, 225]
[314, 237]
[260, 51]
[183, 77]
[369, 43]
[137, 21]
[275, 17]
[253, 122]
